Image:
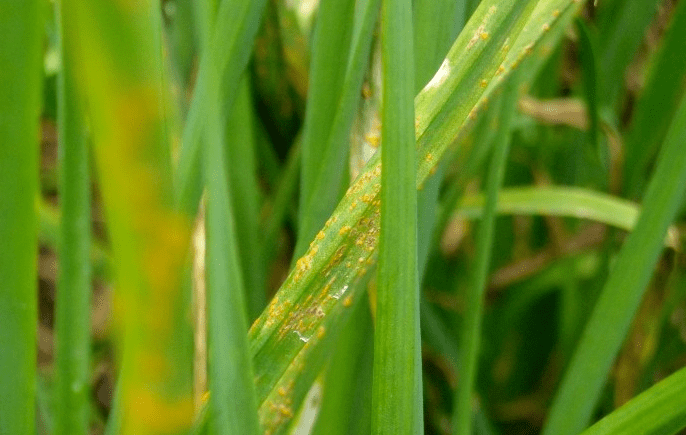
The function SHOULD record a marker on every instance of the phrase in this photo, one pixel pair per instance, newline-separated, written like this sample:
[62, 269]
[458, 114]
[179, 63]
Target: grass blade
[221, 67]
[245, 196]
[589, 72]
[302, 319]
[609, 322]
[624, 23]
[49, 223]
[72, 305]
[659, 410]
[232, 399]
[346, 400]
[281, 199]
[656, 106]
[565, 201]
[20, 99]
[472, 322]
[321, 188]
[436, 24]
[330, 50]
[149, 238]
[397, 400]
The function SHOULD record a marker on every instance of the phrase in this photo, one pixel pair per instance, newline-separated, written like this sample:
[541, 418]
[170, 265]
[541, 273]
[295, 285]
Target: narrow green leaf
[347, 393]
[330, 52]
[471, 155]
[49, 224]
[558, 201]
[623, 25]
[245, 196]
[221, 66]
[232, 395]
[346, 400]
[281, 199]
[397, 401]
[20, 100]
[588, 61]
[301, 321]
[436, 25]
[664, 87]
[619, 300]
[660, 410]
[472, 321]
[118, 57]
[232, 399]
[72, 305]
[181, 39]
[332, 113]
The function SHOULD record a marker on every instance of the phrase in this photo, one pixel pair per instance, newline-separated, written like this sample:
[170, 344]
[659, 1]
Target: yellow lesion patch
[476, 37]
[144, 408]
[366, 91]
[373, 139]
[367, 198]
[303, 264]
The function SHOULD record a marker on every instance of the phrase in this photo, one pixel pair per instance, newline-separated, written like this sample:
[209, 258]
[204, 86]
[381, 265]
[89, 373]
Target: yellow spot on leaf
[147, 409]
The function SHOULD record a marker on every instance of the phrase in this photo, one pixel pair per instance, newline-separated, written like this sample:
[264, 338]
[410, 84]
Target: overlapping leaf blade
[290, 339]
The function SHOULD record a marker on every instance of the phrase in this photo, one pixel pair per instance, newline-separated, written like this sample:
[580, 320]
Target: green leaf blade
[301, 321]
[473, 318]
[609, 322]
[397, 389]
[72, 305]
[20, 99]
[660, 410]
